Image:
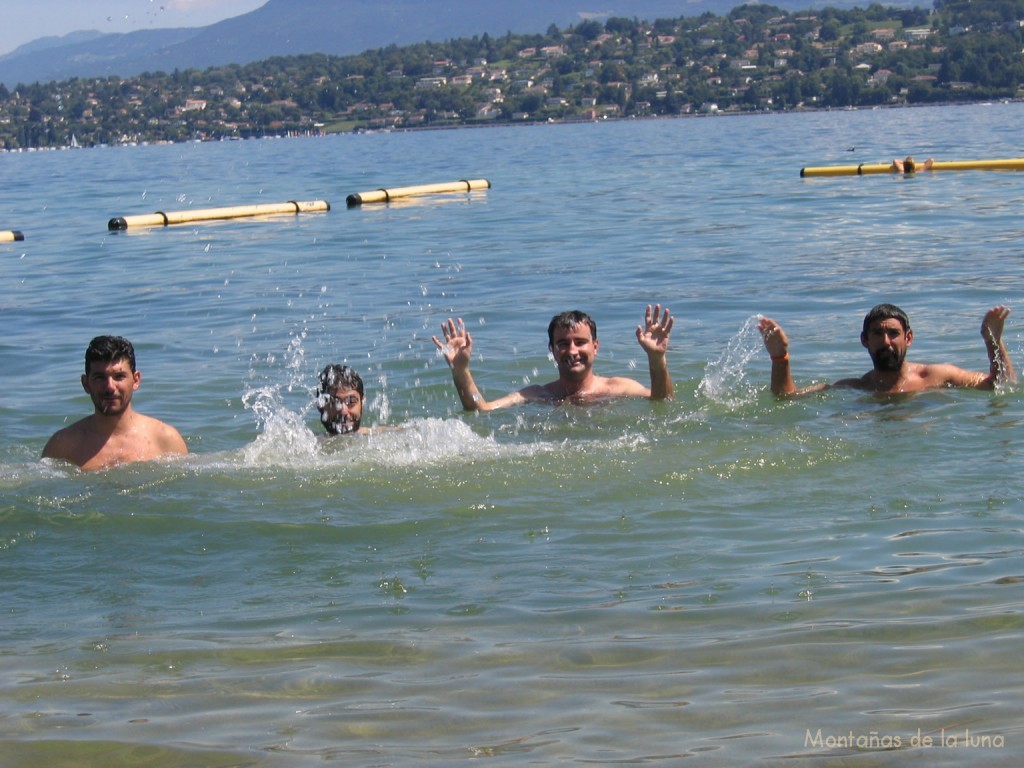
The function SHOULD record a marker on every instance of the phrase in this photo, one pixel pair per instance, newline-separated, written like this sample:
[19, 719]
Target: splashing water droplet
[723, 379]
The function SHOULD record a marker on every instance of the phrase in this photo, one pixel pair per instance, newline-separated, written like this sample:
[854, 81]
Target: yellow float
[387, 195]
[161, 219]
[1012, 164]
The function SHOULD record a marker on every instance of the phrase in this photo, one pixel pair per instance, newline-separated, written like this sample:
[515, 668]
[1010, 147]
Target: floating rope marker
[161, 219]
[387, 195]
[10, 236]
[1012, 164]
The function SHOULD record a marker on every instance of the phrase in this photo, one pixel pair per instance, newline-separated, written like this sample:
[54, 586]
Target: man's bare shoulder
[934, 375]
[69, 443]
[138, 438]
[166, 437]
[915, 377]
[538, 392]
[858, 382]
[596, 388]
[622, 386]
[71, 430]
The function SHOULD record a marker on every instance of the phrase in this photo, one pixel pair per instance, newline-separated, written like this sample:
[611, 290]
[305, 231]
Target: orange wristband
[781, 358]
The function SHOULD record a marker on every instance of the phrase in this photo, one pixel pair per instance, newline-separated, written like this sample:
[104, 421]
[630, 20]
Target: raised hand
[775, 339]
[992, 325]
[457, 346]
[653, 335]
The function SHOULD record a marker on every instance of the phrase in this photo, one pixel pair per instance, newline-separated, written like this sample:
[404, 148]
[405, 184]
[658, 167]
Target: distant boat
[74, 142]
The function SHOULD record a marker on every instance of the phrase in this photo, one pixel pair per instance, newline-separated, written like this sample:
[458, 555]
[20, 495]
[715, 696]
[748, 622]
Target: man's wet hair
[568, 321]
[885, 312]
[334, 376]
[109, 349]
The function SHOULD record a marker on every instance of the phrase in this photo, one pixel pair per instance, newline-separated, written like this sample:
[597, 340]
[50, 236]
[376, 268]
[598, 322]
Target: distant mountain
[338, 27]
[98, 56]
[45, 43]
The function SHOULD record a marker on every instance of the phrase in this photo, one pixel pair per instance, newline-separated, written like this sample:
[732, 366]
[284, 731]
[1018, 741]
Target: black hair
[885, 312]
[109, 349]
[568, 321]
[334, 376]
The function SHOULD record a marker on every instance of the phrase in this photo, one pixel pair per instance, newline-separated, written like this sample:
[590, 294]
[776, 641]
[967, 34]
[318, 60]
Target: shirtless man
[886, 336]
[572, 340]
[115, 433]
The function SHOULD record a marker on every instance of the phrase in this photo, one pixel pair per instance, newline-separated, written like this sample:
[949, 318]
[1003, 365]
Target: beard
[110, 406]
[339, 426]
[888, 360]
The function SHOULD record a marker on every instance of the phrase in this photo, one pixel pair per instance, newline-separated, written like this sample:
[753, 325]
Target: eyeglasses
[349, 401]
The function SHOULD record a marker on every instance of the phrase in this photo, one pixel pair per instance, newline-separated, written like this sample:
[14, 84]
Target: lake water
[725, 579]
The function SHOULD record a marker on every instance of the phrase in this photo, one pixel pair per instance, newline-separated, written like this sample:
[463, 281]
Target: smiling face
[339, 398]
[574, 349]
[111, 385]
[887, 341]
[341, 411]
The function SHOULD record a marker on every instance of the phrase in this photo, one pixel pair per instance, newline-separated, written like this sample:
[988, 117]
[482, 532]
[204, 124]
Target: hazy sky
[22, 21]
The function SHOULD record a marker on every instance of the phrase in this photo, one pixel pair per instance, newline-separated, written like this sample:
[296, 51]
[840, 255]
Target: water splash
[426, 442]
[724, 378]
[280, 396]
[380, 403]
[284, 437]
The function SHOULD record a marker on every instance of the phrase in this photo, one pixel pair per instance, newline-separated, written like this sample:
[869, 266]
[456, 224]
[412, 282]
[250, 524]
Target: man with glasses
[339, 398]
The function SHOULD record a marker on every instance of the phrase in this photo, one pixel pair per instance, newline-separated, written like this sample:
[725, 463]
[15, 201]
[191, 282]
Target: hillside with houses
[756, 58]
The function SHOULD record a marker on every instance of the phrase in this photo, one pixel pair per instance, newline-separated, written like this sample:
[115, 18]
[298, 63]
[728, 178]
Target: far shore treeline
[757, 58]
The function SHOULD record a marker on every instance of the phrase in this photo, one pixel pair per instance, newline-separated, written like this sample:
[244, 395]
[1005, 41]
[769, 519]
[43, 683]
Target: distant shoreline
[514, 124]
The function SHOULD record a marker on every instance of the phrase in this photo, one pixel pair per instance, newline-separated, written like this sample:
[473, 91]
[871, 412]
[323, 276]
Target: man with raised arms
[115, 433]
[887, 336]
[572, 340]
[908, 166]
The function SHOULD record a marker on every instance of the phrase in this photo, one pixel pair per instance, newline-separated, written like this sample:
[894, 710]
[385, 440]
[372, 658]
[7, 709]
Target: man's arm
[653, 337]
[1000, 367]
[457, 349]
[777, 343]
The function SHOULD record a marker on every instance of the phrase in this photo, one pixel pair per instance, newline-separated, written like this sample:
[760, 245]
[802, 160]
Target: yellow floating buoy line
[10, 236]
[1011, 164]
[161, 219]
[387, 195]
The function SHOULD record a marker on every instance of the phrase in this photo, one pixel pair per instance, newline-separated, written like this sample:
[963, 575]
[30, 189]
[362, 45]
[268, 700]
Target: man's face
[342, 411]
[574, 350]
[887, 344]
[110, 385]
